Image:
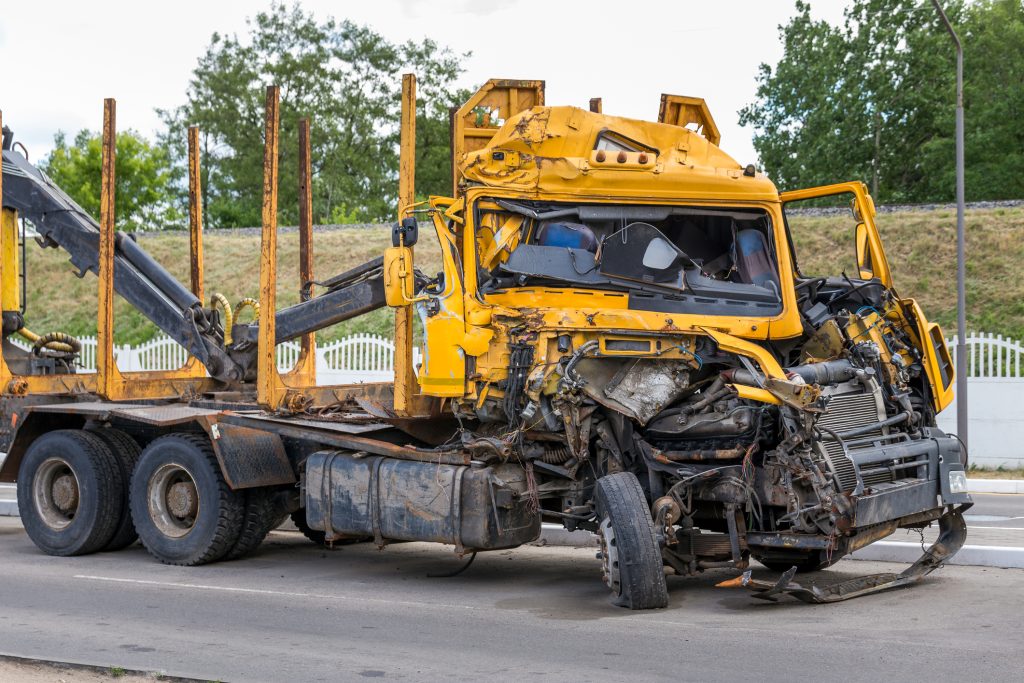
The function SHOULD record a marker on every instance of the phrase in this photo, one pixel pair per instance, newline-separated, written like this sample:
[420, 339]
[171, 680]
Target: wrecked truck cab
[621, 340]
[622, 305]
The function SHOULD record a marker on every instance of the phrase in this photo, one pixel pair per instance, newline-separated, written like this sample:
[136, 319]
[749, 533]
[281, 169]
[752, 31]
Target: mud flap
[952, 534]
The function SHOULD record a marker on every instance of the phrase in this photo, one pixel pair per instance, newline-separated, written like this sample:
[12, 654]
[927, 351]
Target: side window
[825, 235]
[610, 141]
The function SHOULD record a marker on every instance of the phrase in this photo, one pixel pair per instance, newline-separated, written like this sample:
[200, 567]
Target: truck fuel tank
[473, 508]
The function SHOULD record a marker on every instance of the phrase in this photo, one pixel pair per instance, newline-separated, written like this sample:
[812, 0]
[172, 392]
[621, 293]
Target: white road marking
[260, 591]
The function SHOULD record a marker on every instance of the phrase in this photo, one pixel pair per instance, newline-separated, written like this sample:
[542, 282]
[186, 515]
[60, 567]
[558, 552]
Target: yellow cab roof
[550, 151]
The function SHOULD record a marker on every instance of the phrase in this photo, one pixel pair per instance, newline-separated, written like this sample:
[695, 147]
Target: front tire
[632, 564]
[183, 510]
[71, 493]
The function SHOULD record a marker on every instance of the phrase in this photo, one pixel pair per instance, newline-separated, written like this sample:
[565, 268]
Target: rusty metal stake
[105, 368]
[195, 213]
[405, 381]
[306, 364]
[266, 366]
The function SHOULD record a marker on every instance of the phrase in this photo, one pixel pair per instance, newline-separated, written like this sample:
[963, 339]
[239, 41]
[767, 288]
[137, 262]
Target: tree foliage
[143, 192]
[874, 100]
[347, 79]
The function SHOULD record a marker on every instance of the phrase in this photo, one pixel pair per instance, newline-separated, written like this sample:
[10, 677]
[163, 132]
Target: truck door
[441, 308]
[864, 244]
[853, 247]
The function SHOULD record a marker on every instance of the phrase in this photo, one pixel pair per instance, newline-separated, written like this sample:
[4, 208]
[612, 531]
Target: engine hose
[250, 303]
[53, 341]
[218, 299]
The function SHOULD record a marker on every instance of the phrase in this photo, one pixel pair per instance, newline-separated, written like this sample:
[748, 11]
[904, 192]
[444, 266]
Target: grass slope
[921, 247]
[57, 300]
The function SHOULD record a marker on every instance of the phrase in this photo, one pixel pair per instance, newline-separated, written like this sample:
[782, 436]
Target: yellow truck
[620, 340]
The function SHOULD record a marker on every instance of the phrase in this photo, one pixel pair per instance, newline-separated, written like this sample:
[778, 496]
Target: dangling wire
[448, 575]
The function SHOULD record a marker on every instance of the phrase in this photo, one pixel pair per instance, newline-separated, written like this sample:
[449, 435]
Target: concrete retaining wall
[995, 421]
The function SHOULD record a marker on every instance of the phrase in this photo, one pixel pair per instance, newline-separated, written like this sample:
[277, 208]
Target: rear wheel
[126, 451]
[71, 492]
[183, 509]
[632, 565]
[315, 535]
[319, 537]
[261, 515]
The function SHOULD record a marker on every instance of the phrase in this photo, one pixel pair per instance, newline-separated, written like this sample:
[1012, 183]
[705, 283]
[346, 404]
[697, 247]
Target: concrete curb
[995, 485]
[104, 671]
[8, 500]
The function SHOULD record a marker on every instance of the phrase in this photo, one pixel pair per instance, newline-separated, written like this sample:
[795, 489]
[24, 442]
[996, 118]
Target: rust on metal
[327, 434]
[305, 366]
[683, 111]
[195, 213]
[106, 369]
[595, 105]
[251, 457]
[475, 122]
[405, 380]
[266, 362]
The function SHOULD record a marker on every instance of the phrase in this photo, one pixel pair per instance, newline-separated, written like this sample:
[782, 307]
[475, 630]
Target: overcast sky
[60, 58]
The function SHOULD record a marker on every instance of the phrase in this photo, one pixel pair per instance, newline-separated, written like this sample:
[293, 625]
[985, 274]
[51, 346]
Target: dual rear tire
[84, 491]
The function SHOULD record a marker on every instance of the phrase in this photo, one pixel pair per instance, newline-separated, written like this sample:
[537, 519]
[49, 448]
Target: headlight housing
[957, 481]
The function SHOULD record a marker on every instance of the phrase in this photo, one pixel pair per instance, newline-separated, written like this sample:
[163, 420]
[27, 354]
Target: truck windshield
[670, 258]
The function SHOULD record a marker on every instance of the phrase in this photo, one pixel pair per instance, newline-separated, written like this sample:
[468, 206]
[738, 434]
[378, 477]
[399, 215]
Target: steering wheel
[816, 281]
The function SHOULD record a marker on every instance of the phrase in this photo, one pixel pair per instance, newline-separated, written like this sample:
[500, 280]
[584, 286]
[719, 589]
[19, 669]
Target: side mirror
[865, 264]
[405, 233]
[398, 276]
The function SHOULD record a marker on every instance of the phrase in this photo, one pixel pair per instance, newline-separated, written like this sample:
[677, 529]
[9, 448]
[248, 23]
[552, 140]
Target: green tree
[144, 190]
[993, 36]
[347, 79]
[875, 100]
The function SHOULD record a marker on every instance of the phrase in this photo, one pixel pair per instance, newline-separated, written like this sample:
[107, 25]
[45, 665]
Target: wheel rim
[609, 557]
[173, 500]
[55, 491]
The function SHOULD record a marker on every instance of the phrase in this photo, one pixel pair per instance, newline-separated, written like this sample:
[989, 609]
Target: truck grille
[845, 412]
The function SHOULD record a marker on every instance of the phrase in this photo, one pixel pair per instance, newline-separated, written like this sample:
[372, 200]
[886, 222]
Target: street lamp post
[961, 270]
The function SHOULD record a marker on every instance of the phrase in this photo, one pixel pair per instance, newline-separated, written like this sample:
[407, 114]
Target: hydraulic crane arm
[155, 293]
[139, 279]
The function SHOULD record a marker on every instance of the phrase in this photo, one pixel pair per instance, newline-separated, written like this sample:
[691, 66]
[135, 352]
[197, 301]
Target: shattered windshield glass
[698, 256]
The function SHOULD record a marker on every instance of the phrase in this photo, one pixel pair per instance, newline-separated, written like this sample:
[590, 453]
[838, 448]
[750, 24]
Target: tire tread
[229, 505]
[642, 579]
[259, 518]
[126, 451]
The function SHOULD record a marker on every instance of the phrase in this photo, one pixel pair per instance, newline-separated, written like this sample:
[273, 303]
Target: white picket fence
[990, 355]
[356, 358]
[996, 427]
[371, 357]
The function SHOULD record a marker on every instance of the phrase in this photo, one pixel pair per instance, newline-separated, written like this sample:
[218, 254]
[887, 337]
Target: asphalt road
[296, 612]
[996, 510]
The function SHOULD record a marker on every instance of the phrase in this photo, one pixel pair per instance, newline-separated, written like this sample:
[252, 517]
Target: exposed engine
[783, 477]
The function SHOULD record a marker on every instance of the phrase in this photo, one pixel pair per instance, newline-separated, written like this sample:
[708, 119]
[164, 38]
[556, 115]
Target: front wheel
[183, 510]
[631, 559]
